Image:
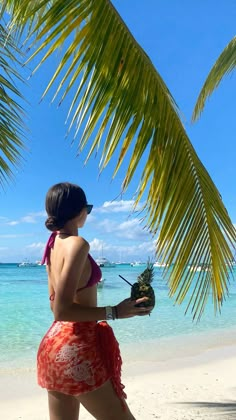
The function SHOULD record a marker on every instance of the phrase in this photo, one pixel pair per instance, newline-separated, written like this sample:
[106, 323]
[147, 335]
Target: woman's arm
[50, 288]
[125, 309]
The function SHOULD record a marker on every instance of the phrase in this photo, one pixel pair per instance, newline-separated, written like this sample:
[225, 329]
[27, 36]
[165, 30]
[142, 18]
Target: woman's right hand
[127, 308]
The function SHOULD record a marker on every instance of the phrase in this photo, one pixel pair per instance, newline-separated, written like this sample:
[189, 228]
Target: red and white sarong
[79, 357]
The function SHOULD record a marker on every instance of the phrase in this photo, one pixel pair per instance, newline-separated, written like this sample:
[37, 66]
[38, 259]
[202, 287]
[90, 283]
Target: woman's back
[60, 249]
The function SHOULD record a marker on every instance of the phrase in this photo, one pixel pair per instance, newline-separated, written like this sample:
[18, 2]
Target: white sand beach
[200, 387]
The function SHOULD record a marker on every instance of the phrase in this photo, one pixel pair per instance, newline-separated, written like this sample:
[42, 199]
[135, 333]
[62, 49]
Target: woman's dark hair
[64, 201]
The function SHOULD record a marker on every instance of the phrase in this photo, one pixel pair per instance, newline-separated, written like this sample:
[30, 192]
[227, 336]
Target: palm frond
[30, 12]
[222, 67]
[12, 128]
[123, 102]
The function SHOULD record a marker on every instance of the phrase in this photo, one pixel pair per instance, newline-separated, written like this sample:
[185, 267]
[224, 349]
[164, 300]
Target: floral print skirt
[79, 357]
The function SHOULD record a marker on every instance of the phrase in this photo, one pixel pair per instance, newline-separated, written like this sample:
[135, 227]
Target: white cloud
[33, 251]
[128, 253]
[97, 245]
[13, 223]
[108, 226]
[118, 206]
[33, 217]
[36, 245]
[12, 235]
[6, 221]
[91, 218]
[131, 229]
[142, 250]
[29, 218]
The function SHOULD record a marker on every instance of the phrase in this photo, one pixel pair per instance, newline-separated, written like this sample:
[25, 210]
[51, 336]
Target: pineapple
[143, 287]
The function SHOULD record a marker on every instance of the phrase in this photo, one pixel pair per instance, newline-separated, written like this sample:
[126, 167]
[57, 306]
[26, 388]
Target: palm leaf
[119, 100]
[11, 113]
[223, 66]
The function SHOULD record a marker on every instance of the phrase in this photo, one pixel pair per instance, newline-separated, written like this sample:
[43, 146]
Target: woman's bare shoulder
[76, 244]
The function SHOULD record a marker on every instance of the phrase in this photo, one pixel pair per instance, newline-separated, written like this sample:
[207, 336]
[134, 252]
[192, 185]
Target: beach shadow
[227, 409]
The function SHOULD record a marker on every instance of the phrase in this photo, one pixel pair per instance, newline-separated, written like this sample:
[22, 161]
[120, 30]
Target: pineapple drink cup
[143, 287]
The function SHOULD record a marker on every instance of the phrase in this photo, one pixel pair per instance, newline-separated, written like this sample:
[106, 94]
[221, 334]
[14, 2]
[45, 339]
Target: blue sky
[183, 40]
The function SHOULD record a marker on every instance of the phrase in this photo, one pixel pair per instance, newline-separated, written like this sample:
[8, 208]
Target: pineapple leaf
[147, 275]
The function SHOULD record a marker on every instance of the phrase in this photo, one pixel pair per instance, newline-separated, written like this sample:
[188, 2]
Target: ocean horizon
[26, 316]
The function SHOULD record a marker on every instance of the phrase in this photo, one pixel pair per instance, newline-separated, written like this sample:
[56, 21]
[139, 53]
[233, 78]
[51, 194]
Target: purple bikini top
[96, 271]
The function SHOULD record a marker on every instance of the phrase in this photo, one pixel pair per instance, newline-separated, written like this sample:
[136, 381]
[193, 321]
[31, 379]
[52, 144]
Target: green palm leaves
[122, 105]
[224, 65]
[11, 123]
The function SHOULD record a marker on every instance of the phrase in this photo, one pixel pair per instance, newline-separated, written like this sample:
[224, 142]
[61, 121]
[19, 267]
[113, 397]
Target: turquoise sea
[25, 317]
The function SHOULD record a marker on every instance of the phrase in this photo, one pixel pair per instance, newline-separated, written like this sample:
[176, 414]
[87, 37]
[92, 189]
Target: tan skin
[69, 270]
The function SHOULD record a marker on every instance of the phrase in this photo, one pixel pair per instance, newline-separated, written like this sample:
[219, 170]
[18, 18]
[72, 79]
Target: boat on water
[160, 265]
[28, 264]
[136, 263]
[122, 263]
[104, 262]
[199, 267]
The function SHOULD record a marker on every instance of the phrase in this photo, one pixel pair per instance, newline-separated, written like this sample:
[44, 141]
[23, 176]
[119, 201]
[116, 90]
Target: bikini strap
[48, 248]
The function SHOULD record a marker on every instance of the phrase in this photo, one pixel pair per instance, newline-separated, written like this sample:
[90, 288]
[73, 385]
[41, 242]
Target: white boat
[122, 263]
[104, 262]
[159, 264]
[199, 267]
[27, 264]
[136, 263]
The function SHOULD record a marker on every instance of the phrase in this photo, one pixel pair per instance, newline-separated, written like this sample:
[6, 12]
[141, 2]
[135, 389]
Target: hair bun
[53, 224]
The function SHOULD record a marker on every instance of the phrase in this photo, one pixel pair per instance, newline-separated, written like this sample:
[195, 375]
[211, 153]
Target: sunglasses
[89, 208]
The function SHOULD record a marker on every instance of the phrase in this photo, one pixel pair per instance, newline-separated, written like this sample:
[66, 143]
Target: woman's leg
[62, 406]
[104, 404]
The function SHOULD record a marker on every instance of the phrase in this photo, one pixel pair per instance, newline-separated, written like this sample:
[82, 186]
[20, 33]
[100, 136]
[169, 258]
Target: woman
[78, 359]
